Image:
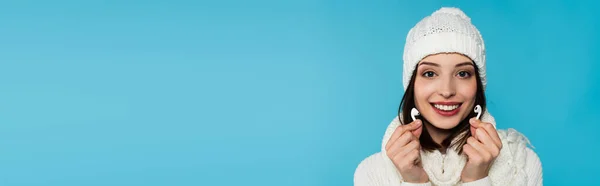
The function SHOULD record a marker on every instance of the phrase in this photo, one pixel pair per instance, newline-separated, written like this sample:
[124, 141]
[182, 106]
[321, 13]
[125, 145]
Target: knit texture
[446, 30]
[517, 164]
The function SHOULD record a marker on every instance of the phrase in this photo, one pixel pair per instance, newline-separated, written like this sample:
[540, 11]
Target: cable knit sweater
[517, 164]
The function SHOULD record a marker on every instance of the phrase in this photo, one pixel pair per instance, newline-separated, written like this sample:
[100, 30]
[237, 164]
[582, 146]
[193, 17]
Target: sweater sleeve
[533, 168]
[415, 184]
[481, 182]
[373, 171]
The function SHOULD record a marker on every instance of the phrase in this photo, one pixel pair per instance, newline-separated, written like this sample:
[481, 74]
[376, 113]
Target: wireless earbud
[478, 111]
[413, 113]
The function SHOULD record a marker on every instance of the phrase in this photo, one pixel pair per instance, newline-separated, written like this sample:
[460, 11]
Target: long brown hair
[461, 131]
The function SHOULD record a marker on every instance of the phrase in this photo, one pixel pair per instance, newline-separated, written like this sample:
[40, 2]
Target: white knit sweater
[517, 164]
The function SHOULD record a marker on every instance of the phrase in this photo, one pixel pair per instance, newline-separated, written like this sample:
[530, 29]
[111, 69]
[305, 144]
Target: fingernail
[472, 120]
[418, 122]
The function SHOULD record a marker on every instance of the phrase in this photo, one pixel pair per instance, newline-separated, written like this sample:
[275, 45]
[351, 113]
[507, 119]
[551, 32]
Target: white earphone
[478, 111]
[413, 113]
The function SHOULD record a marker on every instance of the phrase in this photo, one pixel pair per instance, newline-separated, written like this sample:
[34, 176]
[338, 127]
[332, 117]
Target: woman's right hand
[403, 148]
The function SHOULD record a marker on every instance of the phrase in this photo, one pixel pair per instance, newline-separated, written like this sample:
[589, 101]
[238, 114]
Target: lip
[447, 103]
[447, 113]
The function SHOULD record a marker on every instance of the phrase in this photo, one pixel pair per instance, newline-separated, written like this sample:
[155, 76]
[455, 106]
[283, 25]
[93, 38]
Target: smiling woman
[445, 88]
[447, 144]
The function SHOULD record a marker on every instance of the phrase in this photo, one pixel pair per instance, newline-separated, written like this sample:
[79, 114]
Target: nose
[447, 88]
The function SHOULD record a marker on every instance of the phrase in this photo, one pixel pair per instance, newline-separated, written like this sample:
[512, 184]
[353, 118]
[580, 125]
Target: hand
[404, 149]
[482, 148]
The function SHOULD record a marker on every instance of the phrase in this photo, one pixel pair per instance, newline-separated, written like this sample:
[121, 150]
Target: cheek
[468, 90]
[423, 90]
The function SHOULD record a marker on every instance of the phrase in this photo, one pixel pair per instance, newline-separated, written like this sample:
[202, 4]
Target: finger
[487, 142]
[472, 154]
[484, 137]
[478, 146]
[409, 159]
[474, 124]
[413, 156]
[417, 132]
[414, 144]
[397, 133]
[400, 130]
[414, 125]
[491, 131]
[405, 139]
[469, 150]
[473, 129]
[399, 144]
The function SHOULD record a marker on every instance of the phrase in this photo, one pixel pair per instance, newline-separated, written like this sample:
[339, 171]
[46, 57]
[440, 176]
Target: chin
[445, 123]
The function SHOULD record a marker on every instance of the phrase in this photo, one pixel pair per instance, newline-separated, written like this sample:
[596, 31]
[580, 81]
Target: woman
[447, 144]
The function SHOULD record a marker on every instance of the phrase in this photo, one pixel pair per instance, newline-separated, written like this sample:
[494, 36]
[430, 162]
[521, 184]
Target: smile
[446, 108]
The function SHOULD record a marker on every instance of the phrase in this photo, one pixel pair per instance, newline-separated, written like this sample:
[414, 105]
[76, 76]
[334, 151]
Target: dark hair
[427, 143]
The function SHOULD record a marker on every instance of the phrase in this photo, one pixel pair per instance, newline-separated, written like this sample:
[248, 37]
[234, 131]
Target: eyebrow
[465, 64]
[437, 65]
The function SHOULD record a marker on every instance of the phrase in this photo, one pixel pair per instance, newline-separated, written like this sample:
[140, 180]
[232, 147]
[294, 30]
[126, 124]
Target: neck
[438, 135]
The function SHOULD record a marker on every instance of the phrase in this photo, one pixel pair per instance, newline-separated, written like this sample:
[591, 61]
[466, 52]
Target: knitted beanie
[446, 30]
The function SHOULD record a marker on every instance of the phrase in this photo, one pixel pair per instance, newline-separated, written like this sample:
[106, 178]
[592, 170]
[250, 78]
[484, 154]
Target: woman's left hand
[482, 148]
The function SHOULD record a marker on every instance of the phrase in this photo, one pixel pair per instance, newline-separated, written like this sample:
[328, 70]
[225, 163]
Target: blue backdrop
[267, 92]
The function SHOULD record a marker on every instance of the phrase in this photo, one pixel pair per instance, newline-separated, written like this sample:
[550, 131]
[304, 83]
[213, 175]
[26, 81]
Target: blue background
[267, 92]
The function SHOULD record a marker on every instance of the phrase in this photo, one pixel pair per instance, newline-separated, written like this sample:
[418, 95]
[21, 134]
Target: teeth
[446, 107]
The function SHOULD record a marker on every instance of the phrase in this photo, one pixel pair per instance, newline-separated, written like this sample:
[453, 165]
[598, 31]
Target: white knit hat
[446, 30]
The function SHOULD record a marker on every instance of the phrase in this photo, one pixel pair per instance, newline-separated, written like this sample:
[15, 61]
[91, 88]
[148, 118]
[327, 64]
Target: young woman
[447, 143]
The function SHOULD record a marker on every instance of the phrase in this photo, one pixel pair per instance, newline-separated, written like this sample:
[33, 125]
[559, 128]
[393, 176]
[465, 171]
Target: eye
[428, 74]
[464, 74]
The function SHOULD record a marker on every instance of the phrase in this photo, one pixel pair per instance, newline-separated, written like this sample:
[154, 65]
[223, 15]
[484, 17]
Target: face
[445, 88]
